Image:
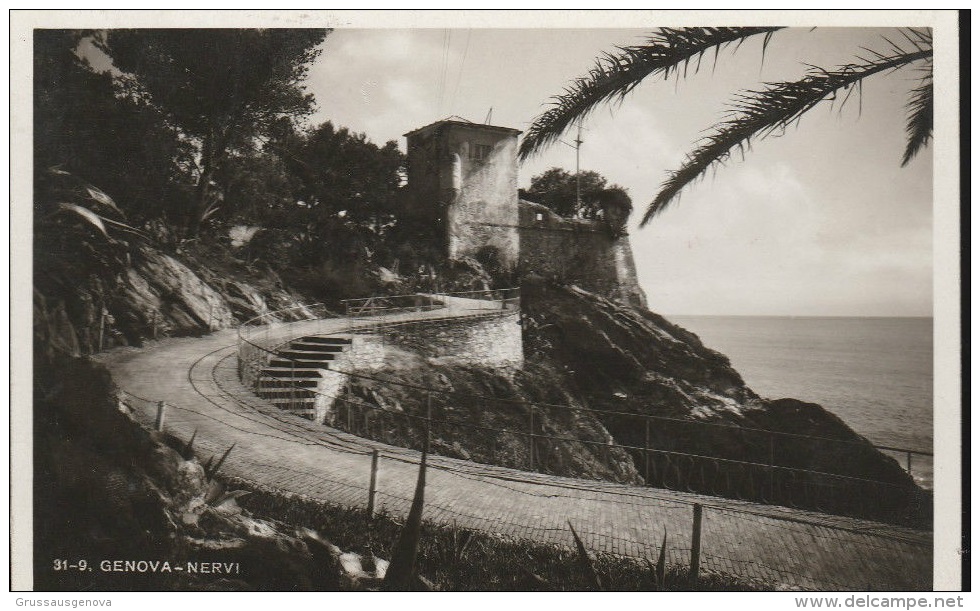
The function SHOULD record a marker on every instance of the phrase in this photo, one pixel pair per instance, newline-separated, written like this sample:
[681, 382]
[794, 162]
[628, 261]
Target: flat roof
[484, 126]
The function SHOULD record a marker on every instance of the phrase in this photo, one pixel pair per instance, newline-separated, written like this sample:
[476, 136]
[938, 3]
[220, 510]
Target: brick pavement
[792, 549]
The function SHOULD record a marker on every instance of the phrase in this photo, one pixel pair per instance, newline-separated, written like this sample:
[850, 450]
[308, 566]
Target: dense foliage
[195, 132]
[575, 197]
[220, 88]
[87, 126]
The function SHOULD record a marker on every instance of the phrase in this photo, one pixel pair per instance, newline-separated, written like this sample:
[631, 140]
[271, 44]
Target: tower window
[480, 152]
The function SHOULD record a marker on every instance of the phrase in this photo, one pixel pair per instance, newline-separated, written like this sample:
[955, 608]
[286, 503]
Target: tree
[85, 127]
[755, 114]
[330, 191]
[344, 172]
[221, 88]
[556, 189]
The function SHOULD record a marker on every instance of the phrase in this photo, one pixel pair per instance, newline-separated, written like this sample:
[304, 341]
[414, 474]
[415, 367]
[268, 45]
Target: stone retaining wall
[490, 342]
[366, 354]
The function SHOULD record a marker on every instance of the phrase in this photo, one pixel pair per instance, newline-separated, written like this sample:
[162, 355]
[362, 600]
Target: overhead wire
[462, 64]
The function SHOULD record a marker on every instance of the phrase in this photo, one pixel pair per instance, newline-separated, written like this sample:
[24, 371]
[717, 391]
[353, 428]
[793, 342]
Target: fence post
[530, 438]
[348, 402]
[696, 544]
[373, 487]
[772, 465]
[102, 328]
[161, 414]
[350, 322]
[292, 384]
[646, 450]
[428, 418]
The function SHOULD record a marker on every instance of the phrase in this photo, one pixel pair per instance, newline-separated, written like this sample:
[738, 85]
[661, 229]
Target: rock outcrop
[624, 361]
[483, 414]
[153, 295]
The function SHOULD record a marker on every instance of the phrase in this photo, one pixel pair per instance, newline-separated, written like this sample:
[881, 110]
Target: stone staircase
[291, 379]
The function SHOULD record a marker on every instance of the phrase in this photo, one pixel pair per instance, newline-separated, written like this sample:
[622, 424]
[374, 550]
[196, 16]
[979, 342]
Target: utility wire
[462, 63]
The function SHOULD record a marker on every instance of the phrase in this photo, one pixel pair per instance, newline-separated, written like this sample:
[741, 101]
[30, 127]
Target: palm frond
[660, 574]
[757, 114]
[585, 561]
[614, 75]
[402, 570]
[918, 126]
[99, 196]
[90, 217]
[210, 472]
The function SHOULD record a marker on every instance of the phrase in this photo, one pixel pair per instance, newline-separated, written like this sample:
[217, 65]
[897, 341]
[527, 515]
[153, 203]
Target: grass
[461, 560]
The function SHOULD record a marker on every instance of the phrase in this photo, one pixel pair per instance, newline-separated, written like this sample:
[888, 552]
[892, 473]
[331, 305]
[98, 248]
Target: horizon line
[930, 316]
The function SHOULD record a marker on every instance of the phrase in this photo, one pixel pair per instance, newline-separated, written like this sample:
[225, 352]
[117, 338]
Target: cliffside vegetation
[164, 210]
[575, 196]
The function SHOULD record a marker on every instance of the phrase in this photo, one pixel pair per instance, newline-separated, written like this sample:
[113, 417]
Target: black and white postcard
[405, 301]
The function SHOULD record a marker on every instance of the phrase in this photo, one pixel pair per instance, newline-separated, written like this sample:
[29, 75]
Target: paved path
[789, 548]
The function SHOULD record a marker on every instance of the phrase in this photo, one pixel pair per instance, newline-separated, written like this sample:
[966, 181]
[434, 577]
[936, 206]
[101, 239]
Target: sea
[874, 373]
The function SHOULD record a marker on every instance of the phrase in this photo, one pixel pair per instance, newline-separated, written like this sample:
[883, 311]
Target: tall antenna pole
[578, 177]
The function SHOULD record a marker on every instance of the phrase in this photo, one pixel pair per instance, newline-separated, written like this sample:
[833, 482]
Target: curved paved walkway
[197, 378]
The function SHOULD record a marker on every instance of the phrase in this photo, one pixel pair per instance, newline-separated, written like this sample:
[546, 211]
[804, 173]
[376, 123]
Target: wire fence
[717, 458]
[796, 551]
[771, 547]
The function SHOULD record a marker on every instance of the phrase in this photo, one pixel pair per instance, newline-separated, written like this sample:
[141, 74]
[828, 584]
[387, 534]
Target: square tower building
[462, 178]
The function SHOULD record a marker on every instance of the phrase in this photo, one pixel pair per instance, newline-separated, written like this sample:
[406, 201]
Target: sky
[821, 221]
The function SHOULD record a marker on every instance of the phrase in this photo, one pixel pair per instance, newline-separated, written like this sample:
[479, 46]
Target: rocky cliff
[615, 392]
[661, 388]
[81, 309]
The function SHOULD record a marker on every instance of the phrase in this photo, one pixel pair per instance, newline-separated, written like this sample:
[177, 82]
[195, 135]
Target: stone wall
[330, 386]
[485, 214]
[485, 342]
[586, 253]
[366, 355]
[463, 179]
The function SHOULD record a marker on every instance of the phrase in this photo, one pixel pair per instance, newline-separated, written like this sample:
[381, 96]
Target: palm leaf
[90, 217]
[188, 451]
[102, 198]
[228, 496]
[211, 472]
[585, 561]
[127, 228]
[661, 571]
[757, 114]
[402, 570]
[918, 127]
[667, 51]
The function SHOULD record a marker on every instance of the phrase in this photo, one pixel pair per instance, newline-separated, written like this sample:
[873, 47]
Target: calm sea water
[874, 373]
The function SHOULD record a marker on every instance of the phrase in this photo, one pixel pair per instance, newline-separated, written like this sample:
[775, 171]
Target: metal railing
[767, 549]
[371, 315]
[717, 458]
[259, 337]
[537, 446]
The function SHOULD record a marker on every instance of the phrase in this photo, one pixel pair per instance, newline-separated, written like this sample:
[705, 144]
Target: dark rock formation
[662, 389]
[485, 415]
[80, 311]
